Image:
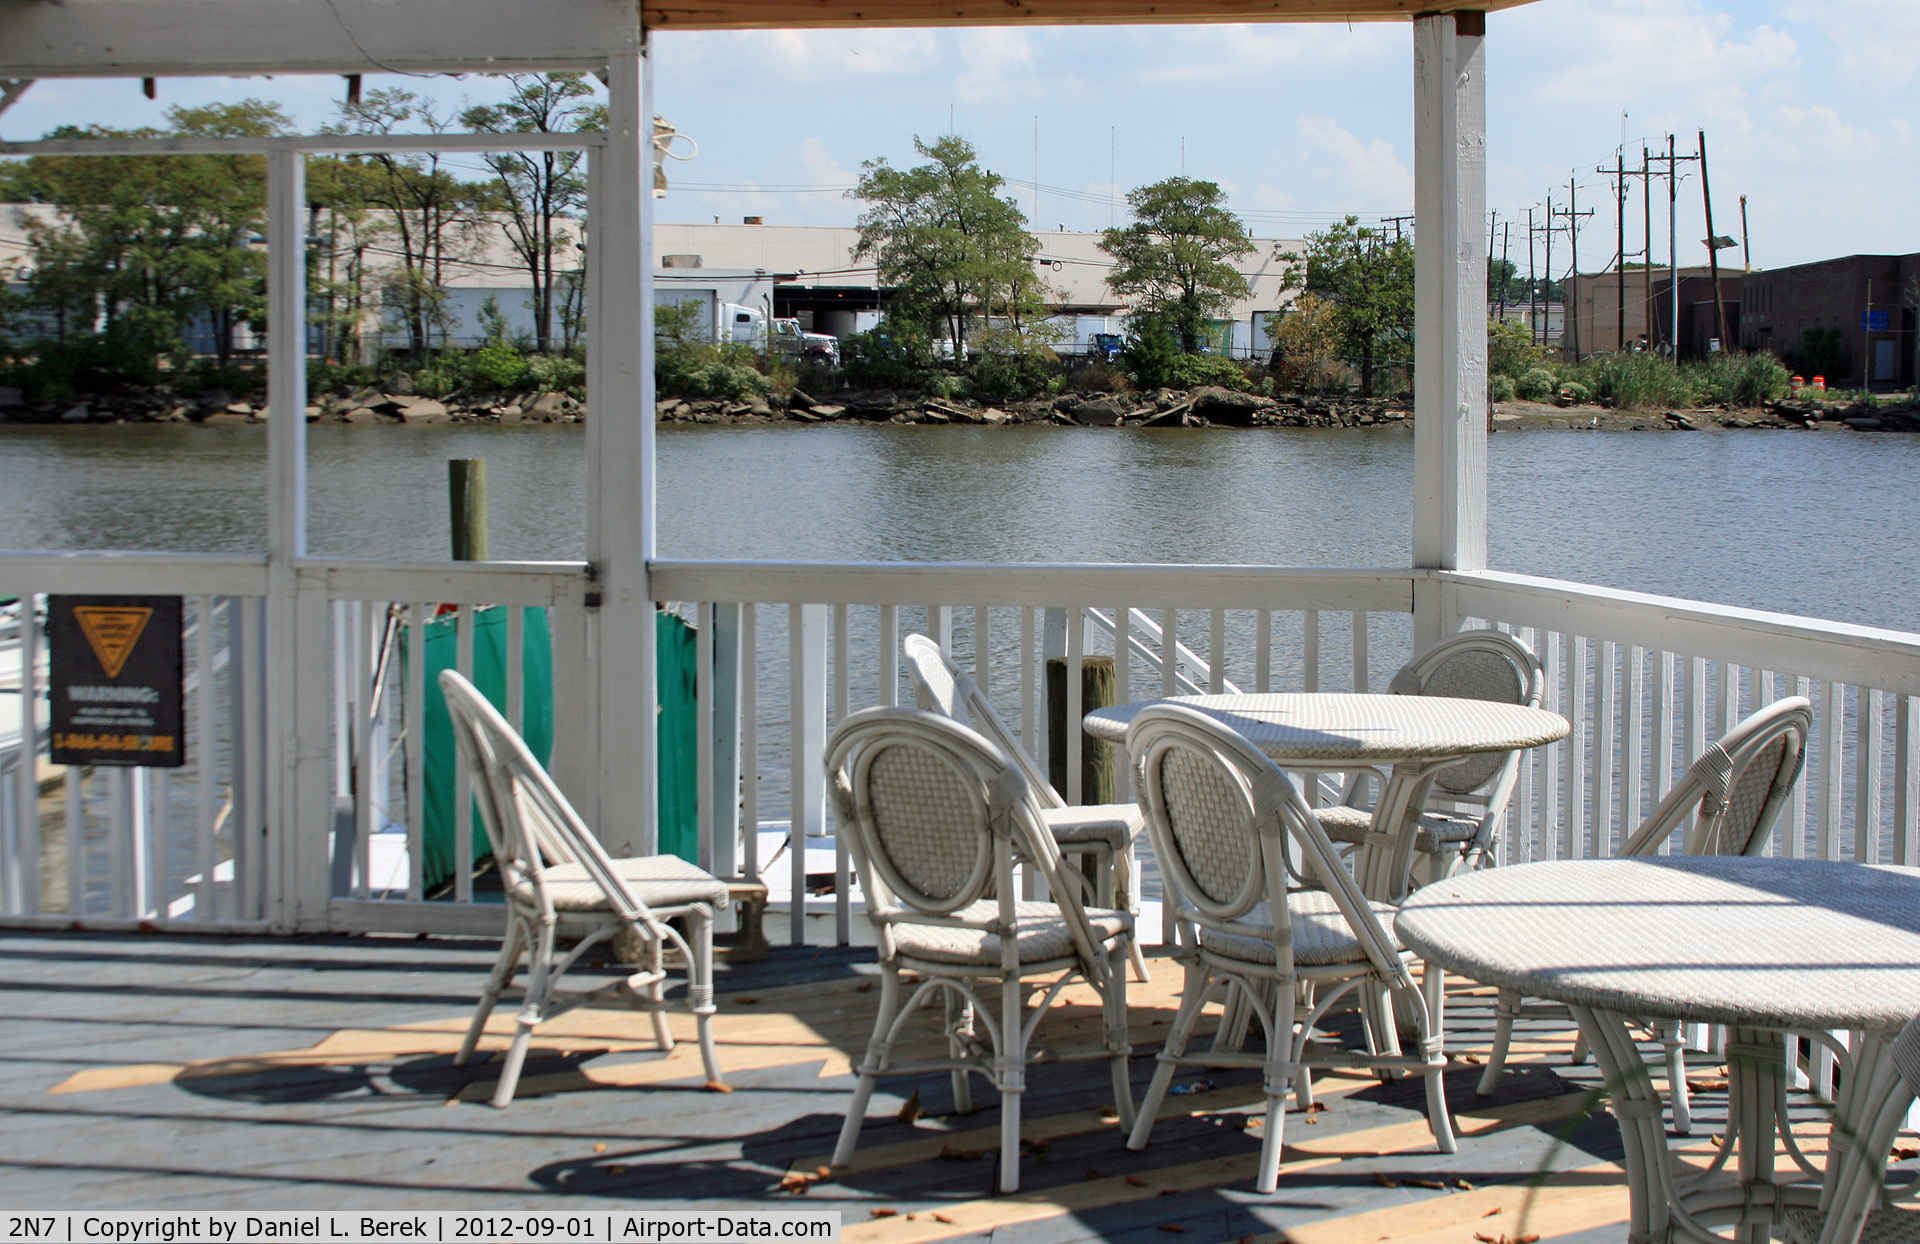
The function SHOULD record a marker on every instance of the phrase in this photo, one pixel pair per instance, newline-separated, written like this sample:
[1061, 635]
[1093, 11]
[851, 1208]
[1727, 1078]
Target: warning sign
[115, 681]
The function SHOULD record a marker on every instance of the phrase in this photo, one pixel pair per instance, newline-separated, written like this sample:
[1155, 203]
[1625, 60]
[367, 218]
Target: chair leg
[1679, 1100]
[1193, 997]
[959, 1028]
[700, 991]
[497, 980]
[539, 985]
[1120, 873]
[1119, 1047]
[875, 1061]
[657, 991]
[1011, 1077]
[1507, 1011]
[1433, 1044]
[1282, 1065]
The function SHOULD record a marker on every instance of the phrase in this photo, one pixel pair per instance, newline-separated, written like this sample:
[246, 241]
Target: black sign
[115, 685]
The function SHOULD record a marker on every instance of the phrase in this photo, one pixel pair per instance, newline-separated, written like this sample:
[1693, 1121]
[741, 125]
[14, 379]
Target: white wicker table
[1416, 736]
[1760, 945]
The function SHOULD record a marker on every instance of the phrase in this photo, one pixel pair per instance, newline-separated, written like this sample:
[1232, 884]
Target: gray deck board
[384, 1135]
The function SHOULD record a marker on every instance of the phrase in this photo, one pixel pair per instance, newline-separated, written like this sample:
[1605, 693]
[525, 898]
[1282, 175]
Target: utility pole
[1713, 246]
[1619, 173]
[1395, 222]
[1573, 215]
[1673, 162]
[1646, 232]
[1546, 333]
[1533, 287]
[1746, 251]
[1506, 242]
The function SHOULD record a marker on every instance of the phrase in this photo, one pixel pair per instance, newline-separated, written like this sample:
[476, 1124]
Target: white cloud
[1227, 53]
[996, 65]
[1878, 38]
[830, 55]
[1631, 49]
[1364, 170]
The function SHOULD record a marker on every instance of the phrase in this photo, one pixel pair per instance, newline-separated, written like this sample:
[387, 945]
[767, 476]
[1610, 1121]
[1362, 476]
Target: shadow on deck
[147, 1073]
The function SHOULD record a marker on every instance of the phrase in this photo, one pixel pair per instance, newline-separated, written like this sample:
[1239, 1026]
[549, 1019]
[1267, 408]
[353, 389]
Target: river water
[1806, 523]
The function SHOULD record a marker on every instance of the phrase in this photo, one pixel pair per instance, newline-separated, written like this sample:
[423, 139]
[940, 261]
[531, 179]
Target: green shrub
[554, 372]
[1192, 370]
[1536, 386]
[327, 376]
[1576, 392]
[1740, 379]
[1635, 381]
[497, 367]
[889, 357]
[1511, 350]
[1013, 375]
[1149, 354]
[1500, 388]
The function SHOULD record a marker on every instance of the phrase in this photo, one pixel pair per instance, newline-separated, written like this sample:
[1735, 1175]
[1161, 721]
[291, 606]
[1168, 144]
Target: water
[1788, 521]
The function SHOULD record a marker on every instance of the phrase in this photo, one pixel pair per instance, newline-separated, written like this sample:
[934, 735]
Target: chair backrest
[1736, 788]
[1474, 665]
[945, 688]
[934, 815]
[1224, 822]
[529, 823]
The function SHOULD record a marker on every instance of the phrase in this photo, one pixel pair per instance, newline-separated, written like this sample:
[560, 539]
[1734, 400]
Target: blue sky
[1809, 108]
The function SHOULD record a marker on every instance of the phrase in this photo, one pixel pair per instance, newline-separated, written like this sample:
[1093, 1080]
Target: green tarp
[677, 646]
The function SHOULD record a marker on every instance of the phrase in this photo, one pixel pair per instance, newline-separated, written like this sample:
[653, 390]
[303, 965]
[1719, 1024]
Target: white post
[297, 632]
[1450, 301]
[620, 519]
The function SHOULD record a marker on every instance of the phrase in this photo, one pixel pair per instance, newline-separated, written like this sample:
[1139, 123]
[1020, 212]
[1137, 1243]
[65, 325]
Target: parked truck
[721, 321]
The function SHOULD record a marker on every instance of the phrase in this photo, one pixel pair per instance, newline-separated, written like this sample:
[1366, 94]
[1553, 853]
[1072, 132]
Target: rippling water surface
[1815, 524]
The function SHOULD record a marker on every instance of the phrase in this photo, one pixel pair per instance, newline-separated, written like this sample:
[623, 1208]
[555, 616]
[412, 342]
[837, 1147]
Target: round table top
[1316, 727]
[1769, 943]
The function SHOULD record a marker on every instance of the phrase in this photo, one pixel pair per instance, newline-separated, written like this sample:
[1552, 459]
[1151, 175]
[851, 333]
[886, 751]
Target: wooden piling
[1096, 757]
[467, 494]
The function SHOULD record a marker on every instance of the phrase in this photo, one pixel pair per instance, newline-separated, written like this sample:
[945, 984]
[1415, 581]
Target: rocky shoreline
[1206, 407]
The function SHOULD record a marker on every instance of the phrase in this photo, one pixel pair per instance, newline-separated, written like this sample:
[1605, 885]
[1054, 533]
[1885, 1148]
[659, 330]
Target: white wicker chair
[1856, 1205]
[1473, 665]
[1105, 832]
[1727, 803]
[1225, 822]
[554, 870]
[935, 815]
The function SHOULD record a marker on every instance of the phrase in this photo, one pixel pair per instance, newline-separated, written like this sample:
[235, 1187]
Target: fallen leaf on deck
[746, 1001]
[910, 1108]
[1490, 1213]
[601, 1148]
[1136, 1181]
[954, 1153]
[1463, 1185]
[883, 1213]
[1427, 1183]
[1172, 1226]
[1384, 1182]
[943, 1218]
[1108, 1112]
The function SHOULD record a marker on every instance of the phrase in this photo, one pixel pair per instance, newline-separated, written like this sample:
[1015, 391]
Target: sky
[1809, 109]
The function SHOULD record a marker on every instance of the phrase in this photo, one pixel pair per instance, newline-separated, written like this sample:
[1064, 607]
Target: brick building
[1869, 300]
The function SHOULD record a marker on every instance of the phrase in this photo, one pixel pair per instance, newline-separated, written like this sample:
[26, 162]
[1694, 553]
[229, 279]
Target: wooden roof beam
[805, 14]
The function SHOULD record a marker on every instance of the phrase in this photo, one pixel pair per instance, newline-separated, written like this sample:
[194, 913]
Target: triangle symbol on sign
[112, 630]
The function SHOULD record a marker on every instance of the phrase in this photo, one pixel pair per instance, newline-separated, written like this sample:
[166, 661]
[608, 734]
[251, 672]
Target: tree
[1368, 278]
[427, 211]
[945, 239]
[1176, 261]
[1306, 339]
[540, 189]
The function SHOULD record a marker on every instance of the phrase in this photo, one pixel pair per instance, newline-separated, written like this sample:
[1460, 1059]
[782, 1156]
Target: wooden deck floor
[154, 1073]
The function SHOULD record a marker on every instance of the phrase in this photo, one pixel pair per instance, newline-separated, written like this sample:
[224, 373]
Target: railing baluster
[842, 885]
[1547, 844]
[1263, 651]
[1310, 651]
[1866, 785]
[1832, 722]
[750, 742]
[1696, 707]
[940, 626]
[1217, 653]
[889, 656]
[705, 810]
[462, 787]
[1797, 811]
[1573, 832]
[1906, 796]
[76, 815]
[1029, 734]
[1169, 650]
[253, 700]
[1600, 831]
[415, 708]
[1076, 642]
[364, 638]
[1663, 726]
[1122, 693]
[983, 649]
[25, 891]
[1729, 712]
[1633, 734]
[120, 847]
[1360, 678]
[796, 785]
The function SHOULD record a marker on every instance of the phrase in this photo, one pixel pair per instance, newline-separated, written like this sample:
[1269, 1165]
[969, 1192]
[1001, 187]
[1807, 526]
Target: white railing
[785, 650]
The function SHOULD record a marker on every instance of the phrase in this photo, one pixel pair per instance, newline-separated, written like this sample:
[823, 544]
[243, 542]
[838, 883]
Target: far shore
[1206, 407]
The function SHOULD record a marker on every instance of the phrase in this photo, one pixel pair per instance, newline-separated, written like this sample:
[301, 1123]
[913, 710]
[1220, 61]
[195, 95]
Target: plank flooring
[157, 1073]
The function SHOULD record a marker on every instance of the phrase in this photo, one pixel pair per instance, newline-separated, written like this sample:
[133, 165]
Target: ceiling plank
[803, 14]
